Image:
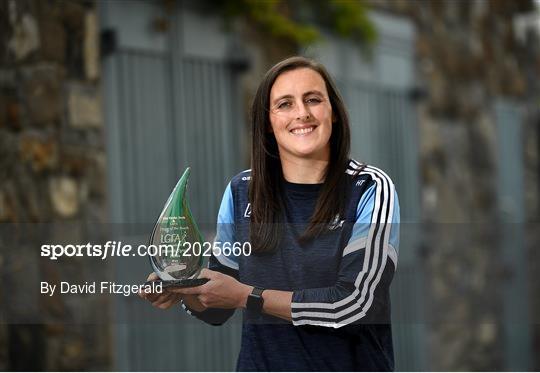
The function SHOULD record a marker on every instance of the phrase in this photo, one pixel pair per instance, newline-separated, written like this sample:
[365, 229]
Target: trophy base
[186, 283]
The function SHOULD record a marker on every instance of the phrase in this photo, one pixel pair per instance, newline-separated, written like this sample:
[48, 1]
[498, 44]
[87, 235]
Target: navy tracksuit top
[340, 280]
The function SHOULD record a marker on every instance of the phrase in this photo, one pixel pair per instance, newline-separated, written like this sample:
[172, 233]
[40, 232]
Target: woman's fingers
[166, 300]
[161, 298]
[185, 291]
[152, 277]
[153, 297]
[174, 299]
[209, 274]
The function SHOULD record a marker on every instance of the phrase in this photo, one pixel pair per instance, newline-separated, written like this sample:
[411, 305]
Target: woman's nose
[303, 112]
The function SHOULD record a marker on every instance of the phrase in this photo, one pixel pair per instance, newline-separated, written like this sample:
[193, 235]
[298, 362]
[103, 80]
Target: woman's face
[301, 114]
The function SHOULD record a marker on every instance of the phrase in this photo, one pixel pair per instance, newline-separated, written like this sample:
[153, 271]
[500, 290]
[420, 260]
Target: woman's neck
[303, 171]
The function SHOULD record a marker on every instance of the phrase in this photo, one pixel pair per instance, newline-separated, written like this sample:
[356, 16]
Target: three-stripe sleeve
[228, 265]
[373, 244]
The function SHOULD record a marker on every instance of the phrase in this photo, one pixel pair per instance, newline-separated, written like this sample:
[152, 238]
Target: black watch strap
[255, 300]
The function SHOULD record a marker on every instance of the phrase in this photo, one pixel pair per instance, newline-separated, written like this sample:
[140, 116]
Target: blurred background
[104, 103]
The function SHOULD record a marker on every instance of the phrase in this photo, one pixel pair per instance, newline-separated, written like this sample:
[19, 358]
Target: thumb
[152, 277]
[207, 273]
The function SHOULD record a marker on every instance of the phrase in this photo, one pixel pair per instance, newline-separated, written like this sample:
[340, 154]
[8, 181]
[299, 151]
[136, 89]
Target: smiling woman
[324, 232]
[301, 116]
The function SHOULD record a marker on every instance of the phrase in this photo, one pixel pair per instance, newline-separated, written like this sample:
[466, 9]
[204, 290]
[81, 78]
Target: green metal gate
[510, 187]
[170, 102]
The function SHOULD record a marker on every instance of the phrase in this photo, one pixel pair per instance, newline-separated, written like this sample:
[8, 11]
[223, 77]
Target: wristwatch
[255, 300]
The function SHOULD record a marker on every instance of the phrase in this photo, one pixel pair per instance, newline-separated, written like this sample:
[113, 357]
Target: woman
[324, 234]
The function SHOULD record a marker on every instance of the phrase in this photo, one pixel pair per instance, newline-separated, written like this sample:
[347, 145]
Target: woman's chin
[308, 152]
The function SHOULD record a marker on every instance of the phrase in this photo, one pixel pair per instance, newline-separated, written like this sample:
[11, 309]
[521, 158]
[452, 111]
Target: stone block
[40, 152]
[28, 195]
[10, 112]
[9, 203]
[3, 213]
[441, 99]
[73, 353]
[87, 166]
[42, 90]
[53, 352]
[25, 38]
[487, 330]
[53, 39]
[23, 262]
[514, 80]
[3, 111]
[84, 106]
[8, 78]
[74, 161]
[4, 342]
[72, 14]
[97, 176]
[13, 115]
[91, 46]
[64, 195]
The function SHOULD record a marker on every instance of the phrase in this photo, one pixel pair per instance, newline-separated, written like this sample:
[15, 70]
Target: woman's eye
[284, 105]
[314, 100]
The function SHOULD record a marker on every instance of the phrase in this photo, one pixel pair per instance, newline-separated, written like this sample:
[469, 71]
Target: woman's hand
[222, 291]
[167, 299]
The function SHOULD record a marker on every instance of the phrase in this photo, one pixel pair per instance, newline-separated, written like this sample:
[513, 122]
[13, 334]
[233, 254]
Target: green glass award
[175, 236]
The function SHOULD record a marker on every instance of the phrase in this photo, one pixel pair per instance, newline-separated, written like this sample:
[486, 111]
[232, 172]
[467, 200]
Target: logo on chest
[336, 223]
[247, 213]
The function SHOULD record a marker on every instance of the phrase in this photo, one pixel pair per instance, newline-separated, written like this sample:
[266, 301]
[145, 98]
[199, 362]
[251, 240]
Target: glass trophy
[174, 236]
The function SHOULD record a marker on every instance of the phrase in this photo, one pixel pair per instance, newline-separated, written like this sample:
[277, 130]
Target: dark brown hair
[265, 190]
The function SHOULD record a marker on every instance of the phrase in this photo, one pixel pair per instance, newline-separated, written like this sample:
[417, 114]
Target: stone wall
[468, 55]
[52, 172]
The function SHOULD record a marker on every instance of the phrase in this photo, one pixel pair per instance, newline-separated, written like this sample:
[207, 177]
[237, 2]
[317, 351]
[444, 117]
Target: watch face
[255, 301]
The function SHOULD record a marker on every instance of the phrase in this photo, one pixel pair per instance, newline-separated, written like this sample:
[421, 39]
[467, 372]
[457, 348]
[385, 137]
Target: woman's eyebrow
[282, 97]
[312, 92]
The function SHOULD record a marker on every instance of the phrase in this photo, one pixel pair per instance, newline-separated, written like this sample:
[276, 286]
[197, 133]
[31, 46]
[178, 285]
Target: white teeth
[301, 131]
